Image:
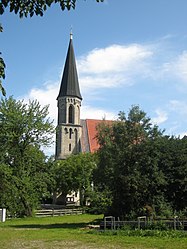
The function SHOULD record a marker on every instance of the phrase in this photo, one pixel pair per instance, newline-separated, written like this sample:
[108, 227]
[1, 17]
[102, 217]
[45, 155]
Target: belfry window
[70, 133]
[71, 114]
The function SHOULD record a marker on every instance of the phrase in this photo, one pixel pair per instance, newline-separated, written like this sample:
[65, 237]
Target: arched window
[69, 147]
[71, 114]
[78, 114]
[70, 133]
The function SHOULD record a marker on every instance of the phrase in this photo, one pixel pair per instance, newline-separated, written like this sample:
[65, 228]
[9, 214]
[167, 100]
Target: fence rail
[57, 212]
[111, 223]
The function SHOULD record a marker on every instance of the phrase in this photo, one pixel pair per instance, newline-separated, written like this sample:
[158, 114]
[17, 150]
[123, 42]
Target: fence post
[111, 221]
[3, 214]
[114, 223]
[104, 223]
[175, 222]
[138, 222]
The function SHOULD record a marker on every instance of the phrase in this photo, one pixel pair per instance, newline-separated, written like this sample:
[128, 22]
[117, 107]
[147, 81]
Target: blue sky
[128, 52]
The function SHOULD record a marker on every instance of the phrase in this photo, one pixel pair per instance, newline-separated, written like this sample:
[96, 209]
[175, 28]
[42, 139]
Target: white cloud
[177, 67]
[118, 65]
[180, 107]
[121, 65]
[46, 96]
[181, 66]
[161, 117]
[88, 112]
[113, 65]
[176, 130]
[183, 134]
[100, 68]
[92, 82]
[178, 114]
[115, 58]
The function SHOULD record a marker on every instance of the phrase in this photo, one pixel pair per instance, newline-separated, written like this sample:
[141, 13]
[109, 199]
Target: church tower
[69, 129]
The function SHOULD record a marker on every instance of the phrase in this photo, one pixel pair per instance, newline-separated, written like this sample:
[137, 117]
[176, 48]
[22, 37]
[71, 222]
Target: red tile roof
[92, 132]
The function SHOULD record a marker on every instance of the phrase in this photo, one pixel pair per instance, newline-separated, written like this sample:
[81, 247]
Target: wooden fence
[57, 212]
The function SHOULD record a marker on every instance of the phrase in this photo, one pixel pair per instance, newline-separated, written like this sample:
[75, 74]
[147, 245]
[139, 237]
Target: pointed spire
[71, 34]
[69, 84]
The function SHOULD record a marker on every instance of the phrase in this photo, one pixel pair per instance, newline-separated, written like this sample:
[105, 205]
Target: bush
[142, 233]
[157, 225]
[99, 203]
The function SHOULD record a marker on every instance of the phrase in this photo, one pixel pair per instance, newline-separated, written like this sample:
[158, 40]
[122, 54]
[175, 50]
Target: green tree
[100, 200]
[23, 172]
[23, 188]
[140, 166]
[2, 70]
[174, 165]
[73, 174]
[22, 125]
[128, 162]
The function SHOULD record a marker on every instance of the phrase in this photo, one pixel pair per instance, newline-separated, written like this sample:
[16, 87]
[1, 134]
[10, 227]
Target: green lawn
[72, 232]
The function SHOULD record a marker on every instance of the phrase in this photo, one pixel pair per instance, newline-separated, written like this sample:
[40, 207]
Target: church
[73, 135]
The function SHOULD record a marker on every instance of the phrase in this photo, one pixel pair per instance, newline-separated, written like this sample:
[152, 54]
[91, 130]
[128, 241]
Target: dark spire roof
[70, 84]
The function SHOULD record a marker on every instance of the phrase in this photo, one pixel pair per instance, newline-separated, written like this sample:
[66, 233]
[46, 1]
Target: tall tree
[24, 129]
[128, 162]
[73, 174]
[140, 166]
[173, 163]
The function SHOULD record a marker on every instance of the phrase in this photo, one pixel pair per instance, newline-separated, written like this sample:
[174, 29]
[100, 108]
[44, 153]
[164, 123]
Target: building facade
[73, 135]
[69, 129]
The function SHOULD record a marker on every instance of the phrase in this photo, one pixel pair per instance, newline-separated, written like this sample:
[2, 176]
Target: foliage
[24, 124]
[157, 225]
[99, 201]
[23, 173]
[31, 7]
[140, 166]
[2, 70]
[127, 165]
[147, 233]
[182, 213]
[24, 187]
[174, 165]
[73, 174]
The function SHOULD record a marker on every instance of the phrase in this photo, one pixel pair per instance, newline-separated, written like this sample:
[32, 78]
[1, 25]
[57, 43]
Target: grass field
[72, 232]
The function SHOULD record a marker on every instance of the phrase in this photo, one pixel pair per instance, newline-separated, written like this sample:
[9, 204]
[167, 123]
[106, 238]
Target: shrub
[157, 225]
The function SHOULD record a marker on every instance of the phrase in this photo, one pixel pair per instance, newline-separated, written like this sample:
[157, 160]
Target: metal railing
[110, 222]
